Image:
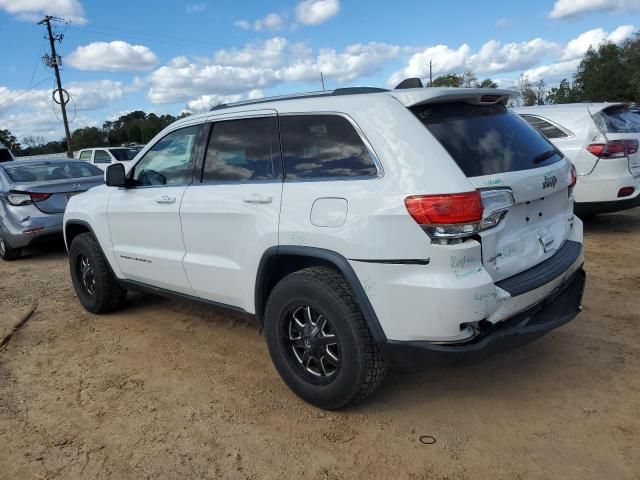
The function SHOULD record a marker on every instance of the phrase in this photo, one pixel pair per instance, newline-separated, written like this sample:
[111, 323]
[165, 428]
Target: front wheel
[319, 341]
[95, 285]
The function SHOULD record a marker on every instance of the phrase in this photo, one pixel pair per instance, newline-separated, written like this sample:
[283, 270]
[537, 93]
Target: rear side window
[101, 156]
[546, 128]
[486, 139]
[618, 120]
[323, 147]
[242, 150]
[85, 156]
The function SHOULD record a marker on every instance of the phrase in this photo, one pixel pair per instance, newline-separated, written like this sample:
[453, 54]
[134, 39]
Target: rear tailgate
[536, 225]
[619, 124]
[502, 155]
[59, 192]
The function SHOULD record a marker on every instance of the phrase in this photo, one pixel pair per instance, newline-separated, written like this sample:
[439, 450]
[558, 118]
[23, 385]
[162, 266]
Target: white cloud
[271, 21]
[554, 72]
[260, 65]
[314, 12]
[195, 7]
[577, 47]
[35, 10]
[577, 8]
[205, 103]
[243, 24]
[503, 22]
[493, 57]
[116, 56]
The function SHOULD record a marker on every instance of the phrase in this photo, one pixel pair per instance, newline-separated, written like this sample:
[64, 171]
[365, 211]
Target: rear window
[123, 154]
[618, 120]
[323, 147]
[51, 171]
[486, 139]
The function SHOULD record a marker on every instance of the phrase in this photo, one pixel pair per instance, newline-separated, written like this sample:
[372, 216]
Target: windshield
[486, 139]
[51, 171]
[123, 154]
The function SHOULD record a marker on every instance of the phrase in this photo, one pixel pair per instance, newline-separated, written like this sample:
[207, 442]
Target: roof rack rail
[297, 96]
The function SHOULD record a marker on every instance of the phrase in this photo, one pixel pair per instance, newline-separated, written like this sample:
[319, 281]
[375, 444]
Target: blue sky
[170, 56]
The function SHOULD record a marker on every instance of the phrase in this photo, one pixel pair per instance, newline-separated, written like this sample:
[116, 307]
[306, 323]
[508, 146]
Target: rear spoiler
[475, 96]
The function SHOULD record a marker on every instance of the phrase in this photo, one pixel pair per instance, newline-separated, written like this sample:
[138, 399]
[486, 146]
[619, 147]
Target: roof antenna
[409, 83]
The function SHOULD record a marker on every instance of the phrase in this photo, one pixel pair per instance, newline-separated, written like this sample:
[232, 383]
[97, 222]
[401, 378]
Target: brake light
[447, 209]
[458, 215]
[39, 197]
[614, 148]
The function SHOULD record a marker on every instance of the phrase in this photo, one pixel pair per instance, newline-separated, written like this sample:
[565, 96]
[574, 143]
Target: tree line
[608, 73]
[134, 127]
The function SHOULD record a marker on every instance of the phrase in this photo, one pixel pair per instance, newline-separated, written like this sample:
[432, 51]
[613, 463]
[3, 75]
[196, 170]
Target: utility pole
[322, 80]
[55, 60]
[430, 75]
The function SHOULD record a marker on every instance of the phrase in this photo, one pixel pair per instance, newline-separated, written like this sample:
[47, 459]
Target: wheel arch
[278, 262]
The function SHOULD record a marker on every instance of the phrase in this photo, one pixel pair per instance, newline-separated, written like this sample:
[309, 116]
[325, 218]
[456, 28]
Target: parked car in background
[102, 157]
[5, 154]
[33, 196]
[601, 139]
[362, 227]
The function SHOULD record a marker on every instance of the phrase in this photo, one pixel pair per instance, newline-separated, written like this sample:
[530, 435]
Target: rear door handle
[165, 199]
[258, 198]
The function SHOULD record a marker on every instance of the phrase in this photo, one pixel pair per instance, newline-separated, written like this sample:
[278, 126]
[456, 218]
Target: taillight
[459, 215]
[39, 197]
[447, 209]
[614, 148]
[626, 192]
[573, 179]
[18, 198]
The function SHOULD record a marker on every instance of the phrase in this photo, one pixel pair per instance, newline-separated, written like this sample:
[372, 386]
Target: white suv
[362, 228]
[103, 157]
[601, 139]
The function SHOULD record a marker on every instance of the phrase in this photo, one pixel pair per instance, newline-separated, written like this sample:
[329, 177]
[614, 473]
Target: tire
[7, 252]
[339, 366]
[95, 285]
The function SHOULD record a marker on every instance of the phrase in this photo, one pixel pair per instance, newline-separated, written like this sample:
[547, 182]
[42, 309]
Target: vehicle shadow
[627, 221]
[51, 249]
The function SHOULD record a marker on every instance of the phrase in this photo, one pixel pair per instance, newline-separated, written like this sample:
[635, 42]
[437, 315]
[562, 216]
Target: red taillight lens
[574, 176]
[614, 148]
[445, 209]
[39, 197]
[632, 146]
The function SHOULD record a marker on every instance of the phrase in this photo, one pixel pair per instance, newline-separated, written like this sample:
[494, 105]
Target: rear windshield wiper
[544, 156]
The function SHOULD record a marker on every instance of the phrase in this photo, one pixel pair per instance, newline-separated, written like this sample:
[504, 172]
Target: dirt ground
[173, 390]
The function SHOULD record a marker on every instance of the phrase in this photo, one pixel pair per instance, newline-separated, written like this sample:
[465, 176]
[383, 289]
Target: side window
[242, 150]
[85, 155]
[547, 129]
[101, 156]
[168, 162]
[323, 146]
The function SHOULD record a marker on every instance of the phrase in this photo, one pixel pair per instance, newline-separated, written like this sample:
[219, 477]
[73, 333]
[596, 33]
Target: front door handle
[258, 198]
[165, 199]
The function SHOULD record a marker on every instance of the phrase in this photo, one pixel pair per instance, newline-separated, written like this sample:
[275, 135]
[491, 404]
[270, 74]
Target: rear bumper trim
[559, 307]
[544, 272]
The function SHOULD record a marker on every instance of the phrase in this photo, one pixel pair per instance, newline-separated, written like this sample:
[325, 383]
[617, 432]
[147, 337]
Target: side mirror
[114, 175]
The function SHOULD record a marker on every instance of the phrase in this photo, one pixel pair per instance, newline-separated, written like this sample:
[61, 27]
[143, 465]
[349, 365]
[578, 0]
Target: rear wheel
[319, 341]
[95, 285]
[7, 252]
